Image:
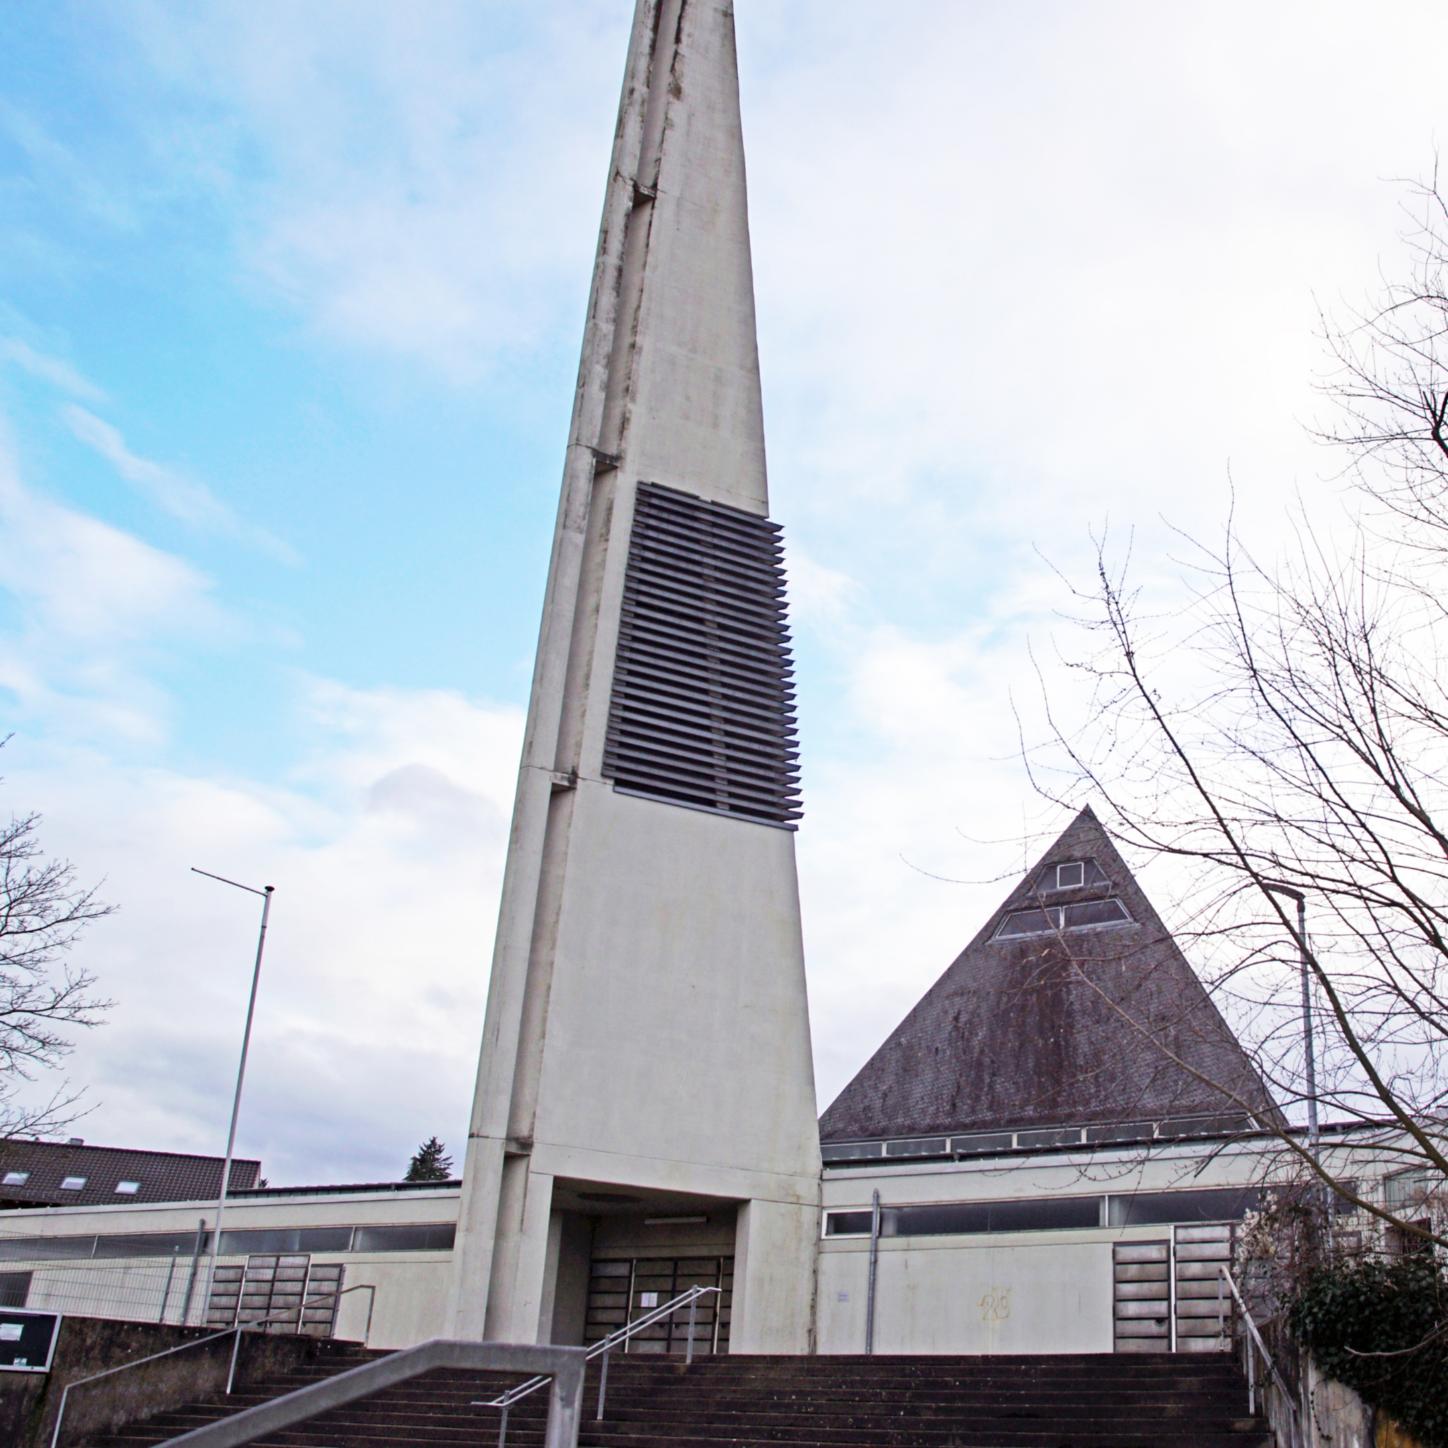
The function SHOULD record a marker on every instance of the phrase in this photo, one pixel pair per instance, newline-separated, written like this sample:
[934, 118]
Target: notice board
[27, 1340]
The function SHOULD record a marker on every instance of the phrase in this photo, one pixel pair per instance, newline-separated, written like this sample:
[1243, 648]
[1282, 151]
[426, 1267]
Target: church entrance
[625, 1289]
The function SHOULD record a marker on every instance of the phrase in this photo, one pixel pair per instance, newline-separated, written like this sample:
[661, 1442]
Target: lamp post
[1291, 894]
[266, 899]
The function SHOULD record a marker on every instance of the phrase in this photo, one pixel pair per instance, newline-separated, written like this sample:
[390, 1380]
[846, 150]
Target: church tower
[645, 1094]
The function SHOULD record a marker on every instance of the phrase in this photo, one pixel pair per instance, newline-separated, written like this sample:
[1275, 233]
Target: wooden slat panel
[1142, 1252]
[1127, 1310]
[1200, 1271]
[1141, 1291]
[1209, 1232]
[1205, 1287]
[1202, 1252]
[1197, 1307]
[1142, 1272]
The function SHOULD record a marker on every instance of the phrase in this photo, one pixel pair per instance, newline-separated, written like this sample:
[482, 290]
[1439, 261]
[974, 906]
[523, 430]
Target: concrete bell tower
[645, 1085]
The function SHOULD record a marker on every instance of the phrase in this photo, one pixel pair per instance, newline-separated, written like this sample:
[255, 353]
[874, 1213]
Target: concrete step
[1145, 1401]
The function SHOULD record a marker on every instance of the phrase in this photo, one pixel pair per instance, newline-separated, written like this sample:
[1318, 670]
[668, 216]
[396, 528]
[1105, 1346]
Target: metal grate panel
[702, 712]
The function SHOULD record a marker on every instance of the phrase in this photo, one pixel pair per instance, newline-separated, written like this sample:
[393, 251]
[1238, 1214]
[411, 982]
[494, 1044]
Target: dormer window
[1081, 915]
[1071, 875]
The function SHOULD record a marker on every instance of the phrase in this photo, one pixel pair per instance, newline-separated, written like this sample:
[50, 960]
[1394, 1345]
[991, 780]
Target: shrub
[1381, 1327]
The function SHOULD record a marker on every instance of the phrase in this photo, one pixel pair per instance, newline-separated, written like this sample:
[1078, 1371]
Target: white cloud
[419, 183]
[387, 858]
[174, 493]
[91, 601]
[67, 173]
[79, 579]
[54, 370]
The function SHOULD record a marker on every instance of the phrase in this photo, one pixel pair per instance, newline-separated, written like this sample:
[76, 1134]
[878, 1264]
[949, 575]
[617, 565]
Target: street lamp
[266, 899]
[1297, 895]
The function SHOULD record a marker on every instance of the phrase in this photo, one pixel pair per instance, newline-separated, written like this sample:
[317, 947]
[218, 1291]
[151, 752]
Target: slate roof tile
[161, 1176]
[1075, 1027]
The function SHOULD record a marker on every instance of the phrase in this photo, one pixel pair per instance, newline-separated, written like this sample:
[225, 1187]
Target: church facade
[1048, 1154]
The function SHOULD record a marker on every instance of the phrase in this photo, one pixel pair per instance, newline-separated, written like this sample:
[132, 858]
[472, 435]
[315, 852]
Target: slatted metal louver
[702, 712]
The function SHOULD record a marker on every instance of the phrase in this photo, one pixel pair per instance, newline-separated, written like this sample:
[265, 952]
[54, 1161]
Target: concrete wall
[997, 1294]
[647, 1024]
[1019, 1292]
[29, 1402]
[408, 1306]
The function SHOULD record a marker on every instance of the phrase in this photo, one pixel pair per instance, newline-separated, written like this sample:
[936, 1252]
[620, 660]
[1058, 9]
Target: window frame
[1059, 925]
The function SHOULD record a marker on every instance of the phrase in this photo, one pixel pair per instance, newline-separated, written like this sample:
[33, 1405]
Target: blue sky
[290, 302]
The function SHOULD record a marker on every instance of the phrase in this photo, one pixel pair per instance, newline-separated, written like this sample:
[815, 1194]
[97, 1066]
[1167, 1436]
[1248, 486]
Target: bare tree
[44, 997]
[1286, 735]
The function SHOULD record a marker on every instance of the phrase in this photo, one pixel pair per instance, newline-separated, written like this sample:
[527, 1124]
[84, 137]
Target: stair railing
[561, 1366]
[1253, 1350]
[236, 1328]
[603, 1348]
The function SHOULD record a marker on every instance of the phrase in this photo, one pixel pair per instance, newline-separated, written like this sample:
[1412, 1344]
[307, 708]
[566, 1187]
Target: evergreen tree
[430, 1163]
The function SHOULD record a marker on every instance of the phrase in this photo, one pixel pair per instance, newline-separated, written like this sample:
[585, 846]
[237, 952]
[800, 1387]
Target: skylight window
[1081, 915]
[15, 1178]
[128, 1189]
[73, 1184]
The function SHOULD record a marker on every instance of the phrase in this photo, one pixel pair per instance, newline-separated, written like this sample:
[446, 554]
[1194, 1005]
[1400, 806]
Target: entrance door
[624, 1289]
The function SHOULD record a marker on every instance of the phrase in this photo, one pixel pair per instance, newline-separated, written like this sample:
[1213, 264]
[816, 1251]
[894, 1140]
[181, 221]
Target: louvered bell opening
[702, 712]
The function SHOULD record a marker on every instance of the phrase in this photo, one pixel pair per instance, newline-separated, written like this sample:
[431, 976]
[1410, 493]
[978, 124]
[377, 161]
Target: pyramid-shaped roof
[1066, 1009]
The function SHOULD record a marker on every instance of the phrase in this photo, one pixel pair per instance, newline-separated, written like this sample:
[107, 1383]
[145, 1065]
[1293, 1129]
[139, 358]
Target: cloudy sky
[290, 302]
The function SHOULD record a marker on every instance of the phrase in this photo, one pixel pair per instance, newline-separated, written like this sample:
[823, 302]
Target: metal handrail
[563, 1366]
[1253, 1337]
[238, 1328]
[602, 1348]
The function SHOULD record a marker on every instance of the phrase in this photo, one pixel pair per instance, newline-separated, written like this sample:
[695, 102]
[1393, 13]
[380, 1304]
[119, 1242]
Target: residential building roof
[74, 1174]
[1072, 1006]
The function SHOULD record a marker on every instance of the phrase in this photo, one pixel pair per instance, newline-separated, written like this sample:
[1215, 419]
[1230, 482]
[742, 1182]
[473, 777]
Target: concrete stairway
[1149, 1401]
